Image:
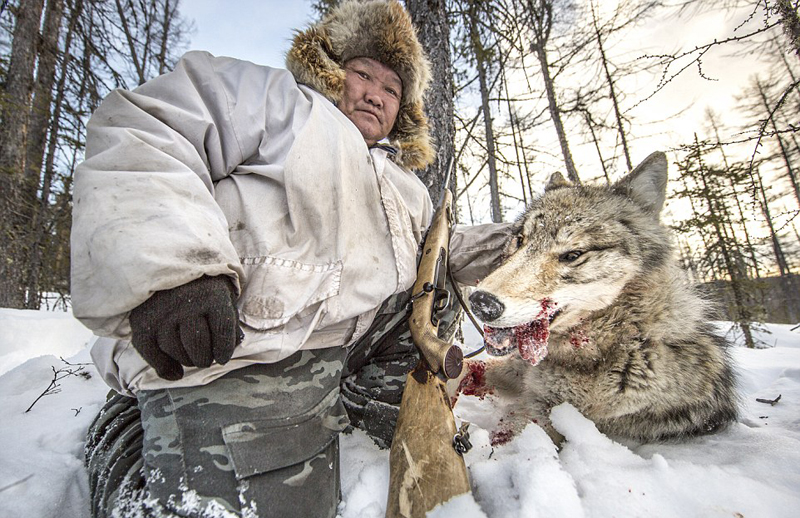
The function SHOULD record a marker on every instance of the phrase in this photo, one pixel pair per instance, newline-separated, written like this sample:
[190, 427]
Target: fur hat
[377, 29]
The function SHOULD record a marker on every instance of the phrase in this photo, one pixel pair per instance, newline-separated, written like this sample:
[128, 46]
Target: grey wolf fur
[629, 343]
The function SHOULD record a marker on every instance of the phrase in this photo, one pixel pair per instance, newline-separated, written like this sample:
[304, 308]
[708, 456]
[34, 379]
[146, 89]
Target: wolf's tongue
[529, 339]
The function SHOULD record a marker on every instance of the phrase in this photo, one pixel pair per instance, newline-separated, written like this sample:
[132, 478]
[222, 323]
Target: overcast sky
[256, 30]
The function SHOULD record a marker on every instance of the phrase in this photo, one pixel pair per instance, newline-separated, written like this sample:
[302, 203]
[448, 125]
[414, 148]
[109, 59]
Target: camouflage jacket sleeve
[476, 250]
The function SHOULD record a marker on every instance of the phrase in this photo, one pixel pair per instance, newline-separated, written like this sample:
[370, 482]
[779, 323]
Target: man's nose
[373, 97]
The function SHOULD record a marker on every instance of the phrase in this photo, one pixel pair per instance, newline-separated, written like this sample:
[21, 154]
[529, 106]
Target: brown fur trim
[377, 29]
[412, 138]
[309, 62]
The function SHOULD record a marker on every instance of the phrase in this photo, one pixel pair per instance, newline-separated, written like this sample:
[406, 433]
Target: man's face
[371, 97]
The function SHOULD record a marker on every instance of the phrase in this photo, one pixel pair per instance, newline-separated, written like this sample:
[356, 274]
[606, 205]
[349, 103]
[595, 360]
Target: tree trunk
[132, 47]
[742, 311]
[789, 290]
[169, 13]
[541, 16]
[43, 94]
[512, 118]
[612, 91]
[750, 248]
[37, 138]
[39, 230]
[433, 30]
[596, 141]
[784, 153]
[14, 209]
[480, 54]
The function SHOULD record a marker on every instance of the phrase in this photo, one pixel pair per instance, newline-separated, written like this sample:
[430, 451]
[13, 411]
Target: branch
[771, 402]
[699, 52]
[58, 375]
[18, 482]
[762, 128]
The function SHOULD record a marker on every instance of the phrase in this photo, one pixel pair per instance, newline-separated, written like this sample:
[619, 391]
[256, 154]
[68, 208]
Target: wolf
[591, 307]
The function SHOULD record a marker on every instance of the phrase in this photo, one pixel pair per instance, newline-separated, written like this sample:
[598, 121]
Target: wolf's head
[575, 249]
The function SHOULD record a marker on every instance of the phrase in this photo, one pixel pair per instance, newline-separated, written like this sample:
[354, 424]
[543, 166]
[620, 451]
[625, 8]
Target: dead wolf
[591, 307]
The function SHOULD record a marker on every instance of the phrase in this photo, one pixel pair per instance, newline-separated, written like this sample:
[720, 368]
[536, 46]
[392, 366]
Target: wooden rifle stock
[425, 468]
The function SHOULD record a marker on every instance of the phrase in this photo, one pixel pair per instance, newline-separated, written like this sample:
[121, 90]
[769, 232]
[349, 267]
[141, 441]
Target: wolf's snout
[486, 306]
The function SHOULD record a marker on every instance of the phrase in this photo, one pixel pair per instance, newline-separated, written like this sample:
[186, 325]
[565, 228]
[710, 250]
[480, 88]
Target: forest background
[521, 89]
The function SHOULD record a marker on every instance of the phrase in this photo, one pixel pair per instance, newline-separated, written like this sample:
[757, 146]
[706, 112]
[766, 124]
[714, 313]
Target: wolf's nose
[486, 306]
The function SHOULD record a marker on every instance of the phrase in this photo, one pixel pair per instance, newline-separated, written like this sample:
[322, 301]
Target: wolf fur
[629, 343]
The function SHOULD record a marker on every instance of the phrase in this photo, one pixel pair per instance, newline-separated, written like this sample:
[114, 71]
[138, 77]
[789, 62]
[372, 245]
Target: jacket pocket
[277, 289]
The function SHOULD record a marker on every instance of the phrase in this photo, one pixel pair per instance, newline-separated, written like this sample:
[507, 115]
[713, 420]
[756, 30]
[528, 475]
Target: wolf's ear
[556, 181]
[647, 183]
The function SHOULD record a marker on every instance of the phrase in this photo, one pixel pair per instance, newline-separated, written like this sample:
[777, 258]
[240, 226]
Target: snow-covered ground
[750, 470]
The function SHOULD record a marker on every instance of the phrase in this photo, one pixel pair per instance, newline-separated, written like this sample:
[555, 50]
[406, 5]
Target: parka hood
[377, 29]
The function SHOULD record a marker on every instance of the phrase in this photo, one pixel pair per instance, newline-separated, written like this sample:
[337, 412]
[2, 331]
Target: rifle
[426, 467]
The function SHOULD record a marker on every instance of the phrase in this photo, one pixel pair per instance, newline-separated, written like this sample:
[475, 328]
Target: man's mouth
[529, 339]
[368, 112]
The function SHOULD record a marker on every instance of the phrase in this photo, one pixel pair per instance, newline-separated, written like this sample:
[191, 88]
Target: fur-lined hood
[377, 29]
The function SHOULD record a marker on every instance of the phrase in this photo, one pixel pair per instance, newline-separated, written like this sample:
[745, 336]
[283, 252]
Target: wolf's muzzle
[486, 306]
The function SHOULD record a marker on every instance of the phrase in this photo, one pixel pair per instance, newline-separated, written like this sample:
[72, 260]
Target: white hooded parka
[223, 167]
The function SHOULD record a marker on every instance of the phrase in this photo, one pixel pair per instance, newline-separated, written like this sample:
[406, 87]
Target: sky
[256, 30]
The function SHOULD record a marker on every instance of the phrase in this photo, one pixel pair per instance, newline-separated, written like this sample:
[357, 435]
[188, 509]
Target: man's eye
[392, 92]
[571, 256]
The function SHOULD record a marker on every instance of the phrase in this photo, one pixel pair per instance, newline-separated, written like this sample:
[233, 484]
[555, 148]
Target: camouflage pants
[260, 441]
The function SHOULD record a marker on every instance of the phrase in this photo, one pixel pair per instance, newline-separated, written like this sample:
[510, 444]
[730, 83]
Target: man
[244, 239]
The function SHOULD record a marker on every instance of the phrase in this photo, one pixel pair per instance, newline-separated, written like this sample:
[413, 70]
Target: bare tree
[481, 56]
[433, 29]
[541, 19]
[716, 218]
[39, 131]
[14, 120]
[65, 56]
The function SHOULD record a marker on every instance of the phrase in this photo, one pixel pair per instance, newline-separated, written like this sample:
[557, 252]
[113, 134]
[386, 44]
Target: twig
[771, 402]
[58, 375]
[74, 364]
[18, 482]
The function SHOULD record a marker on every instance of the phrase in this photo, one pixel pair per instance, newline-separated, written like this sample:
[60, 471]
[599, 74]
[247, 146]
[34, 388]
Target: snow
[752, 469]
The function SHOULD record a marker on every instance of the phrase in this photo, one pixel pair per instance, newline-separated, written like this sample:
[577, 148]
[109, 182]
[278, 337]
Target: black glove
[194, 325]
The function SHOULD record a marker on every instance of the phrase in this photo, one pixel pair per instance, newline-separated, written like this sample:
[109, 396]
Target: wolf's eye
[568, 257]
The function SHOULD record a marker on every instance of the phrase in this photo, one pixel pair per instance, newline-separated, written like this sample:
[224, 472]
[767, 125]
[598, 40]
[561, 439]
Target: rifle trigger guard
[461, 439]
[441, 300]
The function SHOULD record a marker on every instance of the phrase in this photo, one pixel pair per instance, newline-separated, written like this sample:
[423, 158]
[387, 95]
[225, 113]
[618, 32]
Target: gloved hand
[194, 325]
